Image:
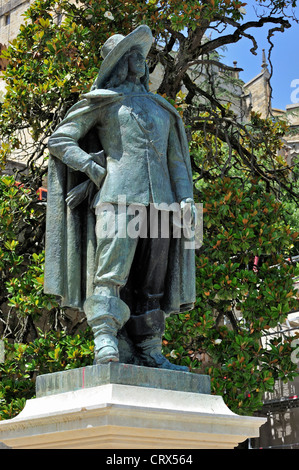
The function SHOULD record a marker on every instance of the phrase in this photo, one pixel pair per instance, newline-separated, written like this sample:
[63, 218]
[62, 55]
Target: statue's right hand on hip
[95, 169]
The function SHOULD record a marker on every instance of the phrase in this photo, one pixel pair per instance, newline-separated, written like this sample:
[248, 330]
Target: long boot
[106, 315]
[146, 331]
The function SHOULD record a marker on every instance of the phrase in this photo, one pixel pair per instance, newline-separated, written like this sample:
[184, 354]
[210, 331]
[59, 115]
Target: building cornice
[11, 5]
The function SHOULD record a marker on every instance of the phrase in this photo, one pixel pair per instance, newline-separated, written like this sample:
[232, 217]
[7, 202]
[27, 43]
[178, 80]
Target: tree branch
[240, 32]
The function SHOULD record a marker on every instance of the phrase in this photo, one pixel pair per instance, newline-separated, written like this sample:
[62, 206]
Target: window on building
[7, 19]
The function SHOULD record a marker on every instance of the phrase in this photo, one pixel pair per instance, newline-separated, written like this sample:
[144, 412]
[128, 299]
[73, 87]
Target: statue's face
[136, 64]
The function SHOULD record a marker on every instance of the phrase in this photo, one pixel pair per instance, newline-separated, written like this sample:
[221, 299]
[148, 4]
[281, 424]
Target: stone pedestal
[119, 406]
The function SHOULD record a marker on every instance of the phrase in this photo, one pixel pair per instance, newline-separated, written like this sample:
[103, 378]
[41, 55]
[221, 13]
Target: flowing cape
[70, 232]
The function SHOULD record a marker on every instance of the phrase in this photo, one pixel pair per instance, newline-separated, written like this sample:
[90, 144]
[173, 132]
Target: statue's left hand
[76, 195]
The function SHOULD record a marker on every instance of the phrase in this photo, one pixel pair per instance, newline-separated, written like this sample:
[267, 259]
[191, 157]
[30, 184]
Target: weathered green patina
[120, 147]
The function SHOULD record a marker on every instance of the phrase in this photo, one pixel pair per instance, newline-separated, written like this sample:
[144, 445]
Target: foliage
[50, 352]
[244, 290]
[21, 266]
[239, 177]
[56, 56]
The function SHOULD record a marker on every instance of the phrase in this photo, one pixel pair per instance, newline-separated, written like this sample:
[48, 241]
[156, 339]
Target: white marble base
[115, 416]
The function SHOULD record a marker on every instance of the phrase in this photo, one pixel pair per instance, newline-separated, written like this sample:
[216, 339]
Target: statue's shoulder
[88, 103]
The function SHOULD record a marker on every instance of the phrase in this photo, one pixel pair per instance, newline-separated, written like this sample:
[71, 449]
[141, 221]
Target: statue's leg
[106, 314]
[105, 311]
[146, 325]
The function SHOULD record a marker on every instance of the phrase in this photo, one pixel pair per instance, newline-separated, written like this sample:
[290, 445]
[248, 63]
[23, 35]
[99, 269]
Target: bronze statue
[120, 151]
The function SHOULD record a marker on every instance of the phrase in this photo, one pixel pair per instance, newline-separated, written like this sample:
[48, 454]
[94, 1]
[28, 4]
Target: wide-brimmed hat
[117, 45]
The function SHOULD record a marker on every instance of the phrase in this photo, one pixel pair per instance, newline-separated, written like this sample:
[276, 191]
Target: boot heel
[146, 332]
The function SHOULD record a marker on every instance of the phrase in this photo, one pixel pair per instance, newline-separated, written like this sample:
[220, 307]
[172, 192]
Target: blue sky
[285, 59]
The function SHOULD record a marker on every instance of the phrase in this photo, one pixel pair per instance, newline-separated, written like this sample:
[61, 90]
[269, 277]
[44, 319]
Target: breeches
[132, 254]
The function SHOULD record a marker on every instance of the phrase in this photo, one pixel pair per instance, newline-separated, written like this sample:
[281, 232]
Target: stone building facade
[11, 18]
[11, 12]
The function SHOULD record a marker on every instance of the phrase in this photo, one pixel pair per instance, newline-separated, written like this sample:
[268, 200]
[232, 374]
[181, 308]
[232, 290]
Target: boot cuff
[97, 308]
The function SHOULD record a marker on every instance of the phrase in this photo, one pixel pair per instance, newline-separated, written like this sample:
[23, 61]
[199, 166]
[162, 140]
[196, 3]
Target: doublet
[142, 151]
